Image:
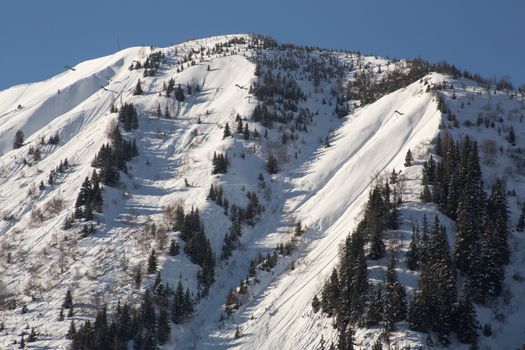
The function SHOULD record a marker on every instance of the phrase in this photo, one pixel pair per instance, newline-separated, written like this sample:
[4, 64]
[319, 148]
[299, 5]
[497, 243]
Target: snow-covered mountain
[303, 147]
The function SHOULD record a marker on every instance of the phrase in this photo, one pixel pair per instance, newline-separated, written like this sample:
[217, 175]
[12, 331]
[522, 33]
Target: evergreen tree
[32, 335]
[374, 308]
[419, 312]
[179, 94]
[497, 209]
[520, 226]
[138, 89]
[238, 120]
[220, 163]
[179, 309]
[409, 159]
[466, 323]
[316, 304]
[331, 294]
[227, 132]
[511, 137]
[345, 339]
[163, 331]
[246, 132]
[394, 298]
[174, 248]
[412, 255]
[18, 140]
[152, 262]
[271, 164]
[72, 330]
[68, 300]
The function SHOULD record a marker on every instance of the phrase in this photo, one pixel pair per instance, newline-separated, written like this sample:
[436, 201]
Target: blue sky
[37, 38]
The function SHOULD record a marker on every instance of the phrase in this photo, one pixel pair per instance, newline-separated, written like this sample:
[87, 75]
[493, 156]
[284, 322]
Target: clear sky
[37, 37]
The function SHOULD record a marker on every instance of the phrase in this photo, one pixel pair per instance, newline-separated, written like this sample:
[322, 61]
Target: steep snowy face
[66, 120]
[33, 107]
[330, 197]
[241, 168]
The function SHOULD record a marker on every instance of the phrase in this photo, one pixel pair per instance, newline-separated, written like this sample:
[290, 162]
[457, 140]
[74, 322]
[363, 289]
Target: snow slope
[323, 187]
[327, 199]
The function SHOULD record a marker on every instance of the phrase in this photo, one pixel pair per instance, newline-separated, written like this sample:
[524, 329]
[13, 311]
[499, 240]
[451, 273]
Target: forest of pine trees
[197, 246]
[480, 253]
[113, 156]
[348, 295]
[147, 326]
[220, 163]
[127, 115]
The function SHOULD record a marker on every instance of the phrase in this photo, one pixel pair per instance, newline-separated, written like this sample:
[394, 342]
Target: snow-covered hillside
[247, 98]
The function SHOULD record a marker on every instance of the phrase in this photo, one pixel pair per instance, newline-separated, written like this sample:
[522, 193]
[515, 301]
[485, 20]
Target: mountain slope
[283, 101]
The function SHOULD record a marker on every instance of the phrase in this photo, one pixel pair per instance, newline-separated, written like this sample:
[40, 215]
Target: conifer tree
[238, 120]
[497, 209]
[520, 226]
[412, 255]
[68, 300]
[374, 308]
[227, 132]
[179, 94]
[179, 310]
[138, 89]
[174, 248]
[246, 132]
[18, 140]
[72, 330]
[331, 294]
[511, 137]
[466, 323]
[271, 164]
[163, 331]
[152, 262]
[394, 298]
[409, 159]
[316, 304]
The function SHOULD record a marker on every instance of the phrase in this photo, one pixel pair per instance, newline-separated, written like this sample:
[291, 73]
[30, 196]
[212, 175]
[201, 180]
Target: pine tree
[412, 255]
[316, 304]
[179, 94]
[61, 314]
[466, 323]
[72, 330]
[227, 132]
[520, 226]
[511, 137]
[163, 331]
[246, 132]
[409, 159]
[138, 89]
[237, 334]
[419, 312]
[345, 339]
[331, 294]
[32, 335]
[174, 248]
[497, 209]
[18, 140]
[238, 120]
[271, 164]
[374, 307]
[394, 298]
[179, 310]
[152, 262]
[68, 300]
